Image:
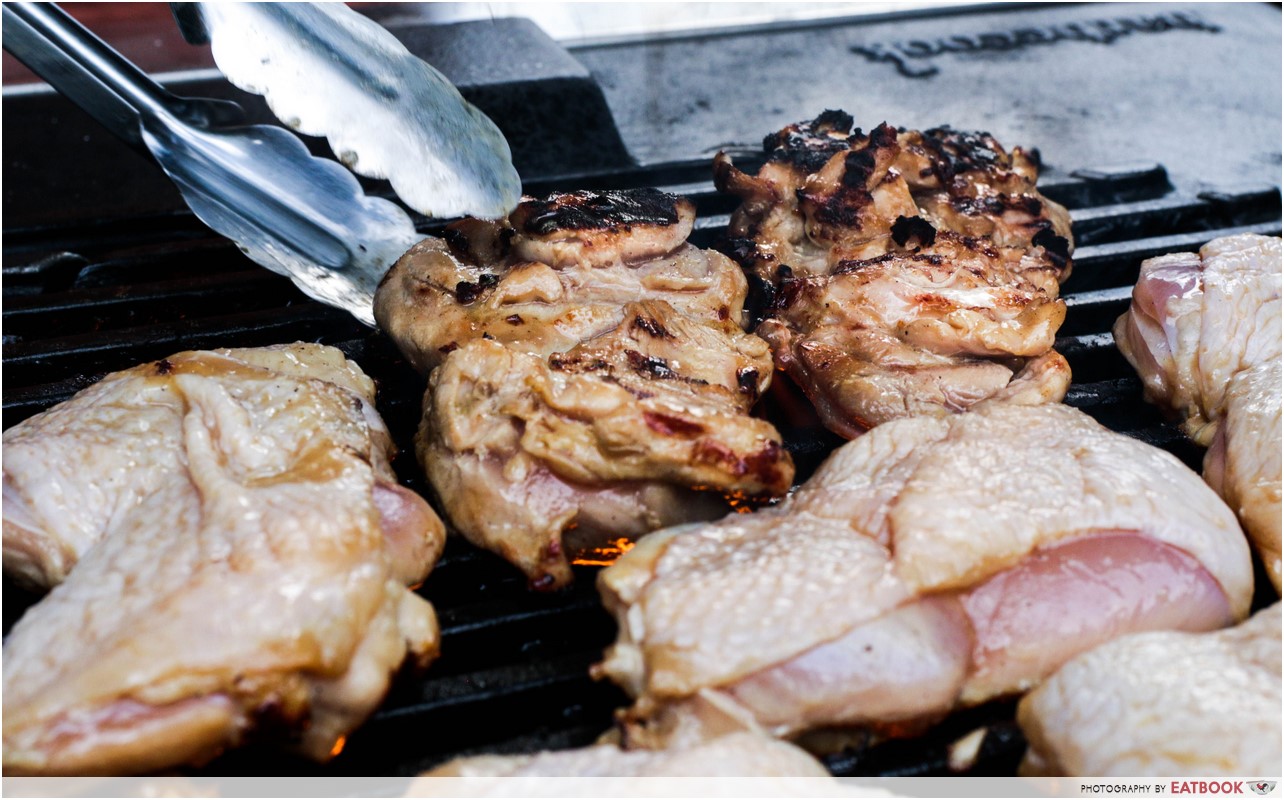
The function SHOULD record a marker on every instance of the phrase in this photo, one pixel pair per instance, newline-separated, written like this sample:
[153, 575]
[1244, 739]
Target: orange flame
[606, 555]
[338, 746]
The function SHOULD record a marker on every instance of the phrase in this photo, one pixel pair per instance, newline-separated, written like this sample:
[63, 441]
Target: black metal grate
[83, 300]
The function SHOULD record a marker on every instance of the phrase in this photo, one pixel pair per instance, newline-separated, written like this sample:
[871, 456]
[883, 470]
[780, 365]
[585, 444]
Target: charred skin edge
[478, 242]
[809, 145]
[594, 211]
[861, 170]
[1056, 249]
[484, 243]
[951, 152]
[916, 229]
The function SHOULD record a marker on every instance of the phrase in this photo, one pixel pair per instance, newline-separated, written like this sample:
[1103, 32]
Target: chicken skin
[1162, 704]
[908, 273]
[228, 552]
[1198, 319]
[739, 754]
[1243, 462]
[589, 376]
[931, 563]
[1203, 332]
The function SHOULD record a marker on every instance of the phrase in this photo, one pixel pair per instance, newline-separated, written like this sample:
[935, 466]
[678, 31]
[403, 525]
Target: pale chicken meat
[907, 272]
[930, 564]
[228, 552]
[1163, 704]
[1243, 462]
[1198, 319]
[1203, 332]
[741, 754]
[590, 380]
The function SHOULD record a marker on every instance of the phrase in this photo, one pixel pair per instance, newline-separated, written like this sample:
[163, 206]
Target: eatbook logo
[910, 57]
[1261, 787]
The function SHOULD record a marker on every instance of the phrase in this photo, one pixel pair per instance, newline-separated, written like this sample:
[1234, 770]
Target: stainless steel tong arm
[97, 78]
[298, 215]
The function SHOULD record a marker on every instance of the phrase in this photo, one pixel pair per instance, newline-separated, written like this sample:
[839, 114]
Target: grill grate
[83, 300]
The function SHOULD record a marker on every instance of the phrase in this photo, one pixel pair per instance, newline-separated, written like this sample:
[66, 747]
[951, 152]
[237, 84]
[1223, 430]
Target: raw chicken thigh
[1243, 461]
[1203, 331]
[735, 755]
[1197, 320]
[228, 550]
[929, 564]
[1163, 704]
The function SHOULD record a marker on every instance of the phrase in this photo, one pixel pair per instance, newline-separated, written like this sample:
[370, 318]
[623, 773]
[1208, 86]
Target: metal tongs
[325, 70]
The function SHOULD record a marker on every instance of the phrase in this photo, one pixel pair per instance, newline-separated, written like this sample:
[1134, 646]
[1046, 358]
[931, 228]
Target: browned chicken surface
[1203, 332]
[909, 272]
[228, 552]
[590, 378]
[930, 564]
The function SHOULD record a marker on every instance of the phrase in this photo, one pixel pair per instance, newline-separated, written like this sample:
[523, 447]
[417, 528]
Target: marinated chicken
[228, 552]
[907, 272]
[590, 378]
[1163, 704]
[931, 563]
[1203, 332]
[734, 755]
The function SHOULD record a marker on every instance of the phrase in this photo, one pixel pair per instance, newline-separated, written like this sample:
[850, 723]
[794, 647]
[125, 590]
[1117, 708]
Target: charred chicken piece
[909, 272]
[916, 333]
[590, 378]
[1219, 694]
[1203, 332]
[967, 183]
[931, 563]
[229, 553]
[484, 280]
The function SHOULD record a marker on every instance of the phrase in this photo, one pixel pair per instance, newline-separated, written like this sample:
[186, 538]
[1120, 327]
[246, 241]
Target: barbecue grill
[104, 268]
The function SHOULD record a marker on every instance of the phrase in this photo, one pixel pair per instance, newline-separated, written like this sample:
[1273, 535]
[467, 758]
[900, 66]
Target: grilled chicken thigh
[930, 563]
[589, 376]
[909, 273]
[1203, 331]
[228, 549]
[1163, 704]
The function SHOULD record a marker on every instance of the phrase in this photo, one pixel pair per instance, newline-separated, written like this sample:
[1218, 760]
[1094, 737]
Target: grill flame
[606, 555]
